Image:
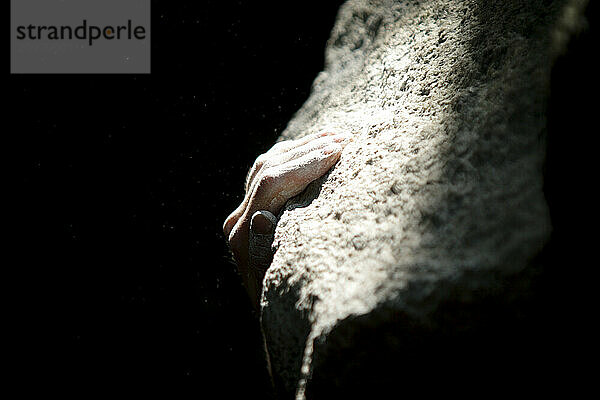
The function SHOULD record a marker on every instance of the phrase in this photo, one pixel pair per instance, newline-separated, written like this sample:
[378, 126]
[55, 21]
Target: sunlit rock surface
[420, 245]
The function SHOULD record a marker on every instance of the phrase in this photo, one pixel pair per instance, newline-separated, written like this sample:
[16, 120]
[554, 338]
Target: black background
[124, 183]
[122, 273]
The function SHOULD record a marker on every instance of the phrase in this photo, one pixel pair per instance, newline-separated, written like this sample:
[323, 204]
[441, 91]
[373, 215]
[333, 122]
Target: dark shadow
[286, 329]
[308, 195]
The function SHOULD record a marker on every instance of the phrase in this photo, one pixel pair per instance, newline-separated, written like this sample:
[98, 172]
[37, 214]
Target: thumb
[260, 254]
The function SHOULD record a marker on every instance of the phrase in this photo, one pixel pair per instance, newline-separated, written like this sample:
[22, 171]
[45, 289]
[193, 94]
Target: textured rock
[425, 234]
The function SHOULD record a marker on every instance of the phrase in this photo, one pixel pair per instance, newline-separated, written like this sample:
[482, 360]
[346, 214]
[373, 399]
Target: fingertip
[332, 149]
[342, 137]
[326, 133]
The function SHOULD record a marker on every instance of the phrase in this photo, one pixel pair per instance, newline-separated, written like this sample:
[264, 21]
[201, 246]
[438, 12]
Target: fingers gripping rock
[276, 176]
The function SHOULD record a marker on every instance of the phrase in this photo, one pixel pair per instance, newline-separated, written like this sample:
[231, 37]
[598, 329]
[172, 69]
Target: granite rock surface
[426, 235]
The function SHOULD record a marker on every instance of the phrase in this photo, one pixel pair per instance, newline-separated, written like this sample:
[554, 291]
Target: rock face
[421, 245]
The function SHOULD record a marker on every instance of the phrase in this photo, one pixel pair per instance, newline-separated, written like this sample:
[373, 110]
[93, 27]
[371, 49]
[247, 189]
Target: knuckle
[258, 163]
[267, 180]
[228, 224]
[260, 160]
[278, 146]
[266, 183]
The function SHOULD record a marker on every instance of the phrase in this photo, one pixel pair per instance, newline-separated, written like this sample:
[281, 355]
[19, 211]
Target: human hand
[276, 176]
